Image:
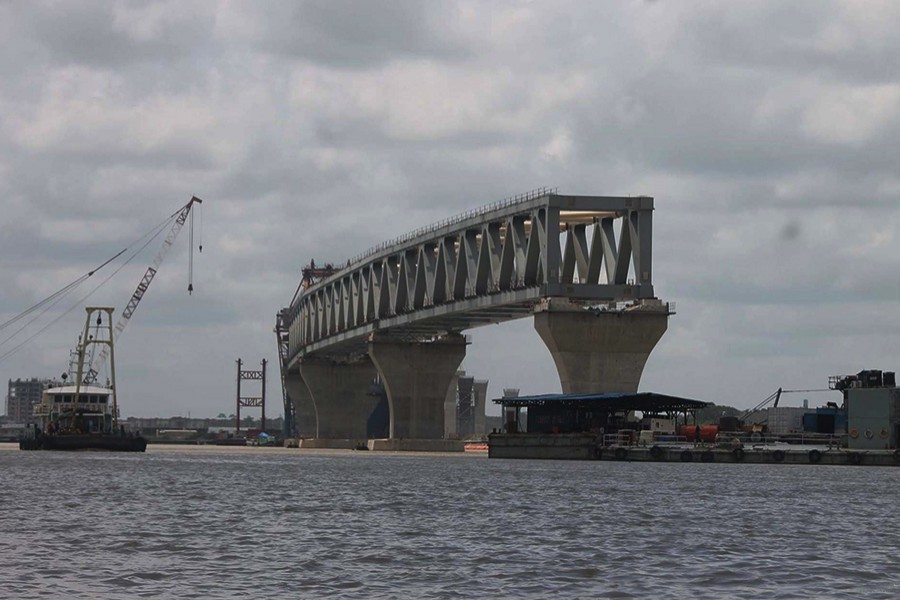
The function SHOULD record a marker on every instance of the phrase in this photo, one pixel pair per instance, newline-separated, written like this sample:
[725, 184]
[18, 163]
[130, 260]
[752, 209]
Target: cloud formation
[767, 132]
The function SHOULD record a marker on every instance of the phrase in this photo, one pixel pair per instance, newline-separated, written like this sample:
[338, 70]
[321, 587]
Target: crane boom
[181, 216]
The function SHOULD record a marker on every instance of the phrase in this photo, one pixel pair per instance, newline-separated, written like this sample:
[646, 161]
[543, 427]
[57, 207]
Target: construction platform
[778, 454]
[584, 446]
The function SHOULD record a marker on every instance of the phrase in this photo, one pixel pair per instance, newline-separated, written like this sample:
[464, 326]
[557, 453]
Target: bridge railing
[469, 214]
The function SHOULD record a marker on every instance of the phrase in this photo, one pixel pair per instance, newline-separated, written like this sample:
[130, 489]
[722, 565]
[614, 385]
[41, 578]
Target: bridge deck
[488, 266]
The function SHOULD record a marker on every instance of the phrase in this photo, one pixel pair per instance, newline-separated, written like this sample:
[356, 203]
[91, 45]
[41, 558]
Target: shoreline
[210, 449]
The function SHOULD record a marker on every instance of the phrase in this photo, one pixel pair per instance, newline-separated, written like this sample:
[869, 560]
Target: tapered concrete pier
[305, 419]
[340, 392]
[416, 377]
[601, 352]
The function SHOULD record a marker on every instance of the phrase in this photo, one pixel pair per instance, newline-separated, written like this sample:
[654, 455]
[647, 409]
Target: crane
[180, 216]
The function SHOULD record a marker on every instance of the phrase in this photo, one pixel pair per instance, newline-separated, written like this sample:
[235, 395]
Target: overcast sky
[768, 133]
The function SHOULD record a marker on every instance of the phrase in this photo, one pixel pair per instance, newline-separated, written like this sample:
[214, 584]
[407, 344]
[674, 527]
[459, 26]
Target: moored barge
[864, 430]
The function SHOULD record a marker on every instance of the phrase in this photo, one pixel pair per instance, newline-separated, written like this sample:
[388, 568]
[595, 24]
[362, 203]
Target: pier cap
[642, 401]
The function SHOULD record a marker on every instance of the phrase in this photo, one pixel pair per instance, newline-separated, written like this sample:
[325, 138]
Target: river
[206, 522]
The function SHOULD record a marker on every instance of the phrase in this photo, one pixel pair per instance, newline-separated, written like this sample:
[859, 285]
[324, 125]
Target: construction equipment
[281, 332]
[180, 216]
[739, 422]
[310, 275]
[776, 396]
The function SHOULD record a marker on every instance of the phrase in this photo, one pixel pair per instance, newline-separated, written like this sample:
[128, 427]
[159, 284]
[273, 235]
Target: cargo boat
[83, 416]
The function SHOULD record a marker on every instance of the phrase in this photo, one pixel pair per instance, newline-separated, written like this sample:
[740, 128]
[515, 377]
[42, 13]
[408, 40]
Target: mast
[104, 336]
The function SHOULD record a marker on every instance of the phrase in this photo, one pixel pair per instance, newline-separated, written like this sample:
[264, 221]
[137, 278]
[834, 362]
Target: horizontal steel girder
[490, 266]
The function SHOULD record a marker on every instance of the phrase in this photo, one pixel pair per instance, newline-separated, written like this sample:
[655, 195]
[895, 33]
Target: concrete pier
[305, 417]
[340, 392]
[417, 376]
[600, 352]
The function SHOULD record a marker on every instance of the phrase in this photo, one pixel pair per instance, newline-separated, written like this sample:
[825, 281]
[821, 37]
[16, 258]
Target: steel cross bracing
[250, 401]
[493, 266]
[281, 333]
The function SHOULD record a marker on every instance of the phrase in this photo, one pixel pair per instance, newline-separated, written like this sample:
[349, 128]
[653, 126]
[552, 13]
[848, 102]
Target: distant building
[464, 407]
[153, 425]
[22, 395]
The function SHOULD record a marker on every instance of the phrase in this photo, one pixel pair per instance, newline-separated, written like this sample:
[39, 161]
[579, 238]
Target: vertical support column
[481, 386]
[417, 376]
[551, 254]
[262, 419]
[305, 419]
[340, 393]
[600, 352]
[237, 411]
[643, 246]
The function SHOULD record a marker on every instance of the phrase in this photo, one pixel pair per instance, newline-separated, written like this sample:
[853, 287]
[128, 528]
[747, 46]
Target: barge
[785, 454]
[585, 446]
[864, 430]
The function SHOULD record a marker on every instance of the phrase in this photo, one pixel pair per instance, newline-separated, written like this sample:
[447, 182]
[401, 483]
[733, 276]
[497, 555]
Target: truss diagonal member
[490, 265]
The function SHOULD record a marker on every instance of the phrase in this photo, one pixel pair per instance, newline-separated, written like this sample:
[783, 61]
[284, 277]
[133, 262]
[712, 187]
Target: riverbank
[212, 449]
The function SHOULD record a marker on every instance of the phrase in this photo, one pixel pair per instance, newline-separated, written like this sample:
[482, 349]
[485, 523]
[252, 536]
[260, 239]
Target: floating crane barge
[81, 416]
[85, 415]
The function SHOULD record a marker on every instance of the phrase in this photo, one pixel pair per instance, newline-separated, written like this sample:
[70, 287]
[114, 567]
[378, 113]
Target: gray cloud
[347, 34]
[766, 132]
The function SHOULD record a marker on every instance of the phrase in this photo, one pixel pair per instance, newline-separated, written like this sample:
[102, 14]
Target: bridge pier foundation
[305, 419]
[600, 352]
[341, 396]
[416, 377]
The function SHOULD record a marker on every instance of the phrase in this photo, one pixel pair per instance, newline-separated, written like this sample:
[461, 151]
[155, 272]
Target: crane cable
[55, 297]
[191, 246]
[60, 294]
[191, 255]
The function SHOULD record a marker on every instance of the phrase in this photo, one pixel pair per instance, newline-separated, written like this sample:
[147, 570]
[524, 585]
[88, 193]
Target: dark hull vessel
[231, 442]
[109, 442]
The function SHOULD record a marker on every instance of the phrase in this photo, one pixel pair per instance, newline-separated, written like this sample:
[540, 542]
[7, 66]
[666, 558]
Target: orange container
[708, 433]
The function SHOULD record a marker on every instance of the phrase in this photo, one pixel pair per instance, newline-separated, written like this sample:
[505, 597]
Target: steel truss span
[494, 265]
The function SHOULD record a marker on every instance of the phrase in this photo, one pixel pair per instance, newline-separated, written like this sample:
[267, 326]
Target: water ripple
[221, 525]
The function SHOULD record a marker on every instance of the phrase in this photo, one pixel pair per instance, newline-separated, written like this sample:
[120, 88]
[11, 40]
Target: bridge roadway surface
[581, 265]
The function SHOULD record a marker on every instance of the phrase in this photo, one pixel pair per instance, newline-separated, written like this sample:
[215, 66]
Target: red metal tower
[250, 401]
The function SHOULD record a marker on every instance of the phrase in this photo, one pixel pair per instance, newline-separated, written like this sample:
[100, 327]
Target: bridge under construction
[580, 266]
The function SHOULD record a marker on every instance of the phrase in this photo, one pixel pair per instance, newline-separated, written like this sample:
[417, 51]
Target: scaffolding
[250, 401]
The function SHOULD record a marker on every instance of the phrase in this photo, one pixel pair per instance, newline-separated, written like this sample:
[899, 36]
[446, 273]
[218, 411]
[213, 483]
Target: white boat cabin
[87, 409]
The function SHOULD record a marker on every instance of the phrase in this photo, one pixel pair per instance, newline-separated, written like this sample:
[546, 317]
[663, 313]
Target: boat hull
[111, 443]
